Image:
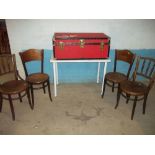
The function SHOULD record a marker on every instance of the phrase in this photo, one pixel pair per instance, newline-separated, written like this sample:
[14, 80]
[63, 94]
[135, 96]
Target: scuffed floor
[78, 109]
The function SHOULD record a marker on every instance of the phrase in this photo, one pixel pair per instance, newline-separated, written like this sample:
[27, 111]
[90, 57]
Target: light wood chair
[12, 87]
[114, 78]
[38, 80]
[137, 90]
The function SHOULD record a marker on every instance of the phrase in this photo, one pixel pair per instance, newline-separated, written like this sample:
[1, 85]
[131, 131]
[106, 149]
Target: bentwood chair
[37, 80]
[12, 87]
[114, 78]
[139, 88]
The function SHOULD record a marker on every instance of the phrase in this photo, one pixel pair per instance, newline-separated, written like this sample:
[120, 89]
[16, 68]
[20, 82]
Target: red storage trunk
[81, 46]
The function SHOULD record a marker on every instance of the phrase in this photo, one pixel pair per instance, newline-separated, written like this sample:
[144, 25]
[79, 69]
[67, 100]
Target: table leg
[98, 73]
[104, 72]
[54, 78]
[56, 67]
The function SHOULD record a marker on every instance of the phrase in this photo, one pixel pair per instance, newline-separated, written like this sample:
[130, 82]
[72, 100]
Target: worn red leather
[81, 46]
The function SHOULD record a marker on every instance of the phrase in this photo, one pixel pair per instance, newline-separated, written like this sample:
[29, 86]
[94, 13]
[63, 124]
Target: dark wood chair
[114, 78]
[12, 87]
[139, 87]
[38, 80]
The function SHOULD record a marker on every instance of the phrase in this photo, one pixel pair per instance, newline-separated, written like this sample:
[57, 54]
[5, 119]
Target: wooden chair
[138, 89]
[114, 78]
[10, 87]
[38, 80]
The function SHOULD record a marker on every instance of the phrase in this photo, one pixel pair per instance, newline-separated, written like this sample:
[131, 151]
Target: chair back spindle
[147, 70]
[8, 65]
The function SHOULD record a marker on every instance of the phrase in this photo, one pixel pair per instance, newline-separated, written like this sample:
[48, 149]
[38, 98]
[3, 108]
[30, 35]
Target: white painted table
[55, 69]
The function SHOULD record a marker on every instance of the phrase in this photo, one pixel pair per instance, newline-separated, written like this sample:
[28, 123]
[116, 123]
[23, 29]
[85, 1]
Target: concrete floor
[78, 109]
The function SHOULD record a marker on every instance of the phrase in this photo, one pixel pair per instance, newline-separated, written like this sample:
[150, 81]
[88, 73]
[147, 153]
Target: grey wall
[25, 34]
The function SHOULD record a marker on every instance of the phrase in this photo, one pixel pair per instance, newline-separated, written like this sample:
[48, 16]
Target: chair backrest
[8, 70]
[145, 67]
[32, 55]
[125, 56]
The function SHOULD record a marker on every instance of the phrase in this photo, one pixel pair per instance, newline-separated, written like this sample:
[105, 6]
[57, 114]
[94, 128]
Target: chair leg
[127, 98]
[12, 108]
[29, 99]
[118, 96]
[1, 102]
[144, 103]
[49, 90]
[113, 86]
[104, 88]
[20, 98]
[44, 88]
[32, 95]
[134, 106]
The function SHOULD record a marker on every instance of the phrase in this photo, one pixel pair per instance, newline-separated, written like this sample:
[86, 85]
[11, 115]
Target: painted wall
[137, 35]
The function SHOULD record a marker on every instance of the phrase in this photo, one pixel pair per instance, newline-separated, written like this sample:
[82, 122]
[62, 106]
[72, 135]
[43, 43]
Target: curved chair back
[125, 56]
[32, 55]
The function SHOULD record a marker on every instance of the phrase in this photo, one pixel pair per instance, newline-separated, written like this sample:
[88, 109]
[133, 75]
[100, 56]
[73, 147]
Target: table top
[82, 60]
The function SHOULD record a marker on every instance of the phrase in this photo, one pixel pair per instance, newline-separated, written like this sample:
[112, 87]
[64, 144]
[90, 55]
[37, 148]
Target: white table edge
[82, 60]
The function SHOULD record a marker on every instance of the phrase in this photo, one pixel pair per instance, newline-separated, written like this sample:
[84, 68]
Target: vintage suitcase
[81, 46]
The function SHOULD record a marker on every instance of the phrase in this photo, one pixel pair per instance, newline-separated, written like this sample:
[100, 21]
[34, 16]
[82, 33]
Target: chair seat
[133, 88]
[37, 78]
[13, 87]
[115, 77]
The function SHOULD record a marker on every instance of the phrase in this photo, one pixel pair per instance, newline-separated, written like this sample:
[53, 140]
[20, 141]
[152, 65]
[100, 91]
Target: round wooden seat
[13, 87]
[133, 88]
[37, 78]
[115, 77]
